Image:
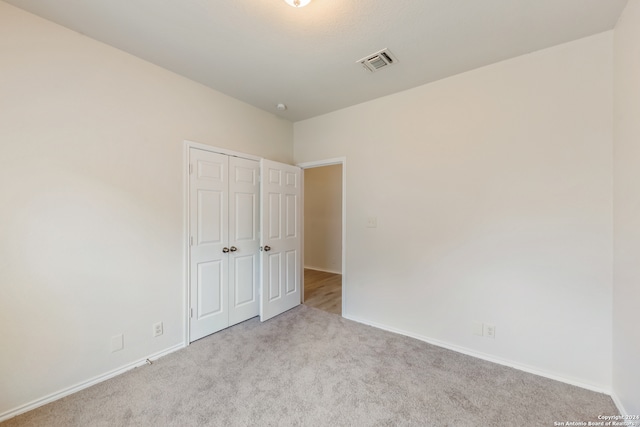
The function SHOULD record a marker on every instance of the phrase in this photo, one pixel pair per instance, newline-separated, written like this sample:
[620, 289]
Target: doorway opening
[324, 237]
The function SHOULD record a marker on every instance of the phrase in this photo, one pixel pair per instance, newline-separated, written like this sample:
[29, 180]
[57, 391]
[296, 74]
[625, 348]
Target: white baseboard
[85, 384]
[619, 404]
[321, 269]
[484, 356]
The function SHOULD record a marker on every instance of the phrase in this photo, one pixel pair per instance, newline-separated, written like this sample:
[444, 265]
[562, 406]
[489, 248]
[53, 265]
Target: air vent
[378, 60]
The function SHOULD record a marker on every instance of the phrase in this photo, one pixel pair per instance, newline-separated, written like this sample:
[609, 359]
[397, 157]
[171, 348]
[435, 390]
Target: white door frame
[187, 145]
[328, 162]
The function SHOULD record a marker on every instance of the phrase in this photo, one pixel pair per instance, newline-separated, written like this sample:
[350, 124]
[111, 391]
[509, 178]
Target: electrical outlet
[117, 343]
[158, 329]
[489, 330]
[372, 222]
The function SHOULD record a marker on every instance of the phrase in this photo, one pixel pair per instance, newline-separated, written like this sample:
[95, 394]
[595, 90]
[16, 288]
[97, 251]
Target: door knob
[233, 249]
[225, 250]
[267, 248]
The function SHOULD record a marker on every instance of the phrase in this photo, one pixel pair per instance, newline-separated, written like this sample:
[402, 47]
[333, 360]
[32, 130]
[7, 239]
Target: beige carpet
[311, 368]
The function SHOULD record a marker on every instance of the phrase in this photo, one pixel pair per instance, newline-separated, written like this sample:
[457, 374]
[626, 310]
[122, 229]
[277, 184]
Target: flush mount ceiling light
[298, 3]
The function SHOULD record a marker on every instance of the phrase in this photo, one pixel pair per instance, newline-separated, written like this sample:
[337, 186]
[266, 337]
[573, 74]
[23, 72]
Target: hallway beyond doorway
[323, 290]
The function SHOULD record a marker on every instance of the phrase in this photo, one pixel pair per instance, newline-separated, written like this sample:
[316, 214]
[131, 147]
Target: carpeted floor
[311, 368]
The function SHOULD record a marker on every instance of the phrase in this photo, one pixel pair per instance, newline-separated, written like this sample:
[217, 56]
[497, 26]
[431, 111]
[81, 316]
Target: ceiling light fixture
[298, 3]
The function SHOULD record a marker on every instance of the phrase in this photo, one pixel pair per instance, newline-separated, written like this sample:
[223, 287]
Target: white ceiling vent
[378, 60]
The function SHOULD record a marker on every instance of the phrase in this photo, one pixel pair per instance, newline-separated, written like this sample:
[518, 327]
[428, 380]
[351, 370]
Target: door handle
[267, 248]
[225, 250]
[233, 249]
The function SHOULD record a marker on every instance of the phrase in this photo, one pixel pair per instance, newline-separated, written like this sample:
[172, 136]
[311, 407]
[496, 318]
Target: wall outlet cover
[489, 330]
[117, 343]
[158, 329]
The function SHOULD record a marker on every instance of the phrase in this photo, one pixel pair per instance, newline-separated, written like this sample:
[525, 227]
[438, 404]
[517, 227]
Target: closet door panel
[208, 223]
[244, 239]
[280, 194]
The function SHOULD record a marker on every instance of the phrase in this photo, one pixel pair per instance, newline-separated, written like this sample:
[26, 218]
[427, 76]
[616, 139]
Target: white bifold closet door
[224, 261]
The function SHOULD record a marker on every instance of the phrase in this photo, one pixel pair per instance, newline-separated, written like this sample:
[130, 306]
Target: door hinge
[190, 168]
[191, 312]
[190, 240]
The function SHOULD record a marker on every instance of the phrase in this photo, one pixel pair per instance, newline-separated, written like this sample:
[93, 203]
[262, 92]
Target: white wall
[323, 218]
[91, 201]
[492, 192]
[626, 289]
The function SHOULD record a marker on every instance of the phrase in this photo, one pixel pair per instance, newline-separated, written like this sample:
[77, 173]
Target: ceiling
[265, 52]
